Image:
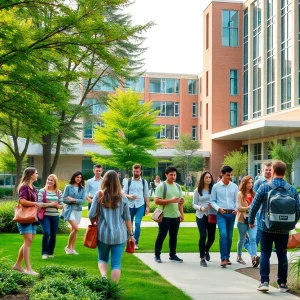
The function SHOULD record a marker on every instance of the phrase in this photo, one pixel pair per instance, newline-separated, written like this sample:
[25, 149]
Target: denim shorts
[26, 228]
[76, 215]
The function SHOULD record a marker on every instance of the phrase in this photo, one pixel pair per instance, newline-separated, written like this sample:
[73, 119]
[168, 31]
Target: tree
[128, 132]
[185, 157]
[238, 161]
[288, 152]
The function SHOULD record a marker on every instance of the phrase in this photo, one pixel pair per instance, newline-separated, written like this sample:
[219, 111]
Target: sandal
[19, 269]
[240, 261]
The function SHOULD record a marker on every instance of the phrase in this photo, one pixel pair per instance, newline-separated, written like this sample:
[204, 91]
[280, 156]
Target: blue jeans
[266, 242]
[225, 224]
[49, 226]
[116, 254]
[251, 246]
[137, 214]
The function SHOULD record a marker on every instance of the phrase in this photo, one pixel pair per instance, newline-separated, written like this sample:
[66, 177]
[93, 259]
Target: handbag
[158, 215]
[90, 239]
[294, 240]
[212, 219]
[25, 214]
[41, 211]
[130, 246]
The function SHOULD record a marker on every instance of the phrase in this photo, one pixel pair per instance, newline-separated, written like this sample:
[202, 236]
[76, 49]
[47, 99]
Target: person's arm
[59, 200]
[257, 201]
[66, 196]
[23, 195]
[213, 198]
[239, 206]
[161, 201]
[127, 219]
[81, 200]
[93, 210]
[146, 197]
[195, 201]
[125, 191]
[87, 191]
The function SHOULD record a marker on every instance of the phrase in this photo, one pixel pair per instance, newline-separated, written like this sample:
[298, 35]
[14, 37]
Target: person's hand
[132, 197]
[182, 218]
[39, 204]
[52, 204]
[131, 238]
[234, 212]
[203, 209]
[181, 201]
[251, 225]
[221, 211]
[147, 210]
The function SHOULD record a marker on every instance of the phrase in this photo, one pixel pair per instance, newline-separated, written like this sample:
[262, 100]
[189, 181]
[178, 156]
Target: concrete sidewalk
[212, 282]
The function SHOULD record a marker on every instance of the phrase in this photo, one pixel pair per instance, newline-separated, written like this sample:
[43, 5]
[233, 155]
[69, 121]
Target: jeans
[49, 226]
[266, 242]
[205, 230]
[170, 225]
[225, 224]
[138, 214]
[116, 254]
[251, 247]
[152, 191]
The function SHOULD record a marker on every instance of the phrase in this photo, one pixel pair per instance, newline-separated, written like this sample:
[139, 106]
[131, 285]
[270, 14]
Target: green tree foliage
[128, 132]
[238, 161]
[185, 158]
[288, 152]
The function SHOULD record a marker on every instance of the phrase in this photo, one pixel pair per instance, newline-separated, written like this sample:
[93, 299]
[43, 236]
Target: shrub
[53, 270]
[5, 191]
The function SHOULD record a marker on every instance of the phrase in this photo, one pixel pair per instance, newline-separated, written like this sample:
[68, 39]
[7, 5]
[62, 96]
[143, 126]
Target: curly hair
[243, 184]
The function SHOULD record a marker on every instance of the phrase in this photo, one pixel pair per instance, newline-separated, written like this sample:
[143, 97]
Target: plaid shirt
[261, 200]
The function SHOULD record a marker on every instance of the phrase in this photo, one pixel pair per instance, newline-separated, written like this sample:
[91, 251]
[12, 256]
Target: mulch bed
[16, 297]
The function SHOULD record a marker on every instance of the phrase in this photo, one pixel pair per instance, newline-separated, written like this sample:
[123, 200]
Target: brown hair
[136, 166]
[242, 186]
[268, 164]
[55, 183]
[111, 188]
[279, 167]
[28, 172]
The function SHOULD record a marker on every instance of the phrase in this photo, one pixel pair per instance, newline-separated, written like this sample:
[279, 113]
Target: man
[137, 192]
[168, 195]
[268, 236]
[93, 185]
[267, 176]
[223, 200]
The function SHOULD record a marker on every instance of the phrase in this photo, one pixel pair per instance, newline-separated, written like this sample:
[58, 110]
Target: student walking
[51, 195]
[205, 216]
[73, 197]
[93, 185]
[114, 224]
[244, 200]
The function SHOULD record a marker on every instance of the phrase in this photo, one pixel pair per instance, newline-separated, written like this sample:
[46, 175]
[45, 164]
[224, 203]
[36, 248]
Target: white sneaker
[68, 251]
[263, 287]
[44, 256]
[136, 247]
[74, 252]
[51, 256]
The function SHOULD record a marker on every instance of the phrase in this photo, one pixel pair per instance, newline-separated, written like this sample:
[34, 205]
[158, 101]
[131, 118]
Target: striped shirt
[261, 200]
[51, 197]
[112, 229]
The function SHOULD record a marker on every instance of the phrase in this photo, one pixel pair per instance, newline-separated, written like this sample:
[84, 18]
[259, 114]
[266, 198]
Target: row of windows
[157, 85]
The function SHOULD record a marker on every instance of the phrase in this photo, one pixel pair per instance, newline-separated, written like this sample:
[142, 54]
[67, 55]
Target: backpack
[166, 187]
[280, 212]
[143, 182]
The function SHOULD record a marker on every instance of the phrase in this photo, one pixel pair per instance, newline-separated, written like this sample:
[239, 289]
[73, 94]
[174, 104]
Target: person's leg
[54, 221]
[73, 234]
[230, 220]
[223, 235]
[242, 229]
[103, 257]
[252, 233]
[281, 241]
[132, 213]
[46, 234]
[163, 229]
[211, 234]
[266, 241]
[201, 223]
[28, 238]
[258, 233]
[138, 220]
[173, 232]
[116, 256]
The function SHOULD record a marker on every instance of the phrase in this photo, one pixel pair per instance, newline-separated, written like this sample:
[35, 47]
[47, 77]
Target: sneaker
[240, 261]
[175, 258]
[157, 259]
[74, 252]
[136, 247]
[44, 256]
[263, 287]
[283, 288]
[51, 256]
[67, 250]
[223, 263]
[207, 256]
[228, 262]
[203, 263]
[255, 261]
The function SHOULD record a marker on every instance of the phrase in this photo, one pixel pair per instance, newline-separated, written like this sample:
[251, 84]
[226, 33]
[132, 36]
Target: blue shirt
[224, 196]
[258, 183]
[93, 186]
[261, 199]
[136, 188]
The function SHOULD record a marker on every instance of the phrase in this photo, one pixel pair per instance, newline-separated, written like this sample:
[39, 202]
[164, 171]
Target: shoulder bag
[158, 215]
[91, 234]
[41, 211]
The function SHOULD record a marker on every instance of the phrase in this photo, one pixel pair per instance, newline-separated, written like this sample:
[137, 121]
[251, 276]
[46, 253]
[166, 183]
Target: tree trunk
[47, 146]
[18, 178]
[57, 153]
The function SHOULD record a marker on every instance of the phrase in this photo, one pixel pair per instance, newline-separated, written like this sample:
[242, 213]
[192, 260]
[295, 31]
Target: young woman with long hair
[114, 224]
[244, 199]
[73, 197]
[50, 222]
[201, 203]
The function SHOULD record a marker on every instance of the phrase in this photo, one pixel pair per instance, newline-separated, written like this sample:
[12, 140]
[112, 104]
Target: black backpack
[280, 212]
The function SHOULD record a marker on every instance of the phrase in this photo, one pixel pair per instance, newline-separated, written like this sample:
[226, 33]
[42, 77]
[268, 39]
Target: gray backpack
[280, 212]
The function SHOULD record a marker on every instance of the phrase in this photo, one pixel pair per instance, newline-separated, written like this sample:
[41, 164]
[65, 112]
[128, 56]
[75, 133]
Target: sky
[175, 42]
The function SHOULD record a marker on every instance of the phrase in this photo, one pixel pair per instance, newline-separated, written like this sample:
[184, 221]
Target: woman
[74, 197]
[203, 209]
[28, 196]
[114, 224]
[52, 195]
[243, 203]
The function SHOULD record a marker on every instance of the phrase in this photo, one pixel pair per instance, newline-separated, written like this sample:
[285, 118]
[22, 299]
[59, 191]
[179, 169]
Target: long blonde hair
[55, 183]
[26, 176]
[111, 188]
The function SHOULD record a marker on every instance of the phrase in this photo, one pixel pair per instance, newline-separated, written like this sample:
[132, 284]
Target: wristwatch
[131, 234]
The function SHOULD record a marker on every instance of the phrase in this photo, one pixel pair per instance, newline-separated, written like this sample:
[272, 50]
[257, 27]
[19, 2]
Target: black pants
[170, 225]
[206, 230]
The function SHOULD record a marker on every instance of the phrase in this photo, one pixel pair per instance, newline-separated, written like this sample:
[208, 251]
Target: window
[206, 83]
[94, 107]
[194, 109]
[167, 109]
[106, 84]
[136, 85]
[245, 67]
[193, 87]
[233, 114]
[164, 86]
[257, 151]
[170, 132]
[200, 109]
[88, 129]
[194, 133]
[230, 28]
[233, 82]
[207, 31]
[206, 125]
[200, 132]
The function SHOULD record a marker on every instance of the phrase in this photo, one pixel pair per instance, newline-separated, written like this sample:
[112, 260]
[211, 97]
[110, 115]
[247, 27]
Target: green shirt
[171, 209]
